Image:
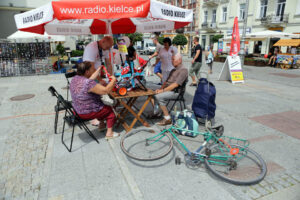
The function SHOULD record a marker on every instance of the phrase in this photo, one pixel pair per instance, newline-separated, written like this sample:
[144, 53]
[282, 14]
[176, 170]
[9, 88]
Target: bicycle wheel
[145, 145]
[237, 165]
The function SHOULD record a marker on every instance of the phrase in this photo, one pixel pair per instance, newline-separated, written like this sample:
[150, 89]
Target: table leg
[137, 116]
[124, 111]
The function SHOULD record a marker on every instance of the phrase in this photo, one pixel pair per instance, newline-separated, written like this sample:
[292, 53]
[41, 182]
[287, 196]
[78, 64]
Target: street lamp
[242, 50]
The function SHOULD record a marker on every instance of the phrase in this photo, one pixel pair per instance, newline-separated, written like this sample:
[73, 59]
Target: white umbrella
[271, 34]
[26, 35]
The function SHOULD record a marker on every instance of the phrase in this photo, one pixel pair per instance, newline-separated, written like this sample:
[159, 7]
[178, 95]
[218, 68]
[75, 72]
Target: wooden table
[127, 102]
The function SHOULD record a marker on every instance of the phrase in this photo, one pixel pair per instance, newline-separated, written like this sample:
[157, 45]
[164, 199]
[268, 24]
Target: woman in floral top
[86, 96]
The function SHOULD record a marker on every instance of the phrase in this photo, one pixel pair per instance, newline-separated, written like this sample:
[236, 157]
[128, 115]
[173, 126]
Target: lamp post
[242, 50]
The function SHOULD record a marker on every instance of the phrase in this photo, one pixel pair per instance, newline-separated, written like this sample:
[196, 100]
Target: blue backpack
[204, 105]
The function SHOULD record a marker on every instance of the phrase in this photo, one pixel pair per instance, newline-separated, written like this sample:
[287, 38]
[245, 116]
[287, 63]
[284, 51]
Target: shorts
[195, 68]
[157, 68]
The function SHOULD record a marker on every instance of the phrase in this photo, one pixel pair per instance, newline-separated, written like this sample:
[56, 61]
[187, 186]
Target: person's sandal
[115, 135]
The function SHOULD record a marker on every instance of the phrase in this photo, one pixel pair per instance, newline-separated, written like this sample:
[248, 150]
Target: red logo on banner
[235, 41]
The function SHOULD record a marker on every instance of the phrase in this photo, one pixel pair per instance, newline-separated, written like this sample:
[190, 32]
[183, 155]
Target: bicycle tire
[136, 134]
[261, 168]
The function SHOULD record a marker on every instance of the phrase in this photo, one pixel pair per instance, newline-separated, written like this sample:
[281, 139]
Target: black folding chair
[71, 118]
[58, 107]
[180, 97]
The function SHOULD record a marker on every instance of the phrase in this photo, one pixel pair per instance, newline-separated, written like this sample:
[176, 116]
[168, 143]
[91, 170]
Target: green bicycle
[228, 158]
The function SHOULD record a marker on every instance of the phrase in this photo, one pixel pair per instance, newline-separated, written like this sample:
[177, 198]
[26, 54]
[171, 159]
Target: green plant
[135, 36]
[160, 40]
[180, 39]
[216, 38]
[61, 49]
[249, 59]
[76, 53]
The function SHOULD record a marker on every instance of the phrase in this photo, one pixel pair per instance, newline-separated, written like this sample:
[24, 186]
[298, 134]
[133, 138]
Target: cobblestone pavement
[35, 165]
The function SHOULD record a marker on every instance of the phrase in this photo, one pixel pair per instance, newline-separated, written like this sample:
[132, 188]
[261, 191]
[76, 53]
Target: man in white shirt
[93, 51]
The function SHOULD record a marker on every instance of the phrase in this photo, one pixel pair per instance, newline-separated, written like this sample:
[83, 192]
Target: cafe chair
[71, 118]
[58, 107]
[180, 98]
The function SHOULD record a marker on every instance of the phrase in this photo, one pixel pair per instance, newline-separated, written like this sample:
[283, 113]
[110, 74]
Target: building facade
[217, 17]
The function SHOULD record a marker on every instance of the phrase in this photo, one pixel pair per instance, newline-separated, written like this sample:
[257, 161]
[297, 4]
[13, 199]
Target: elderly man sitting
[176, 78]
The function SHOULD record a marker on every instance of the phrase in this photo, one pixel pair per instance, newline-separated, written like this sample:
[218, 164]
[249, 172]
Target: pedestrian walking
[157, 64]
[209, 58]
[196, 62]
[165, 56]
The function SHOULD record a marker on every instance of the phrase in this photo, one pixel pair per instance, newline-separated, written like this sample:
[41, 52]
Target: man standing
[168, 91]
[157, 64]
[196, 62]
[98, 53]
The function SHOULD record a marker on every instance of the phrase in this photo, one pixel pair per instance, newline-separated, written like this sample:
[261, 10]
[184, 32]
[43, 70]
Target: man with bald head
[168, 90]
[98, 53]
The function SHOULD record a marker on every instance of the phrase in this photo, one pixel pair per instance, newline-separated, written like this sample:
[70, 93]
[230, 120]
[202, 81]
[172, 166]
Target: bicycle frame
[220, 159]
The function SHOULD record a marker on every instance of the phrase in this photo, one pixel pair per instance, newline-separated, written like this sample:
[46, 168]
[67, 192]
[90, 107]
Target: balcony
[275, 21]
[211, 2]
[209, 26]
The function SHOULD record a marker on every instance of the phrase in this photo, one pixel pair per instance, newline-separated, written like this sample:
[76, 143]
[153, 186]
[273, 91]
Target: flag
[235, 41]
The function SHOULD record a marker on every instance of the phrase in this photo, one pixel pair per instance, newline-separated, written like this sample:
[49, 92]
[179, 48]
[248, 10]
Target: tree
[180, 39]
[135, 36]
[61, 49]
[160, 40]
[216, 38]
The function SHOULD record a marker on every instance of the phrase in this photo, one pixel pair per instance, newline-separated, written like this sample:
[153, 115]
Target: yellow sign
[237, 76]
[122, 48]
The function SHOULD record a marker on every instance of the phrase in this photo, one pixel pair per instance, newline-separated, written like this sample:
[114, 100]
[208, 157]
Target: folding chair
[180, 97]
[58, 107]
[71, 118]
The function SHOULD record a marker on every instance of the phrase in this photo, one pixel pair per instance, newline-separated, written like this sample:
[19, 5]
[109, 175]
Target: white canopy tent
[26, 36]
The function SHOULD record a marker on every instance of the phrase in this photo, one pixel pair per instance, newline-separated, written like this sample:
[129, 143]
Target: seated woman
[86, 93]
[273, 58]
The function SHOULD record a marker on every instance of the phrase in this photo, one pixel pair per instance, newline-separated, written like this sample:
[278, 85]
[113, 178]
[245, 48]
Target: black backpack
[204, 105]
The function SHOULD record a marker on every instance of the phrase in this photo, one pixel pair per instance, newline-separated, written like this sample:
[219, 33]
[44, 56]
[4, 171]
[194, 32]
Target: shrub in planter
[76, 53]
[261, 61]
[249, 61]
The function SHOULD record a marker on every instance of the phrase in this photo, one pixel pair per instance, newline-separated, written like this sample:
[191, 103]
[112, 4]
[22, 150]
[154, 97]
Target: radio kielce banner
[235, 41]
[81, 17]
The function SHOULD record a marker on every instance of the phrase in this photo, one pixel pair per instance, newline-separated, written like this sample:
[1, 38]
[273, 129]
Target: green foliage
[160, 40]
[135, 36]
[180, 39]
[76, 53]
[216, 38]
[61, 49]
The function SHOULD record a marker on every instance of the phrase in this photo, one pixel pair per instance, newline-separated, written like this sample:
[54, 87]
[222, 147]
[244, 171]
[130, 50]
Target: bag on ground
[185, 120]
[204, 105]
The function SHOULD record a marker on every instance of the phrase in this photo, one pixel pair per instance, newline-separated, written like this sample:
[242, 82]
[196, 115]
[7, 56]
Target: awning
[288, 42]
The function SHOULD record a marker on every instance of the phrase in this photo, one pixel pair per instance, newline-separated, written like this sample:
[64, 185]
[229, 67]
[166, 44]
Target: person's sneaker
[164, 122]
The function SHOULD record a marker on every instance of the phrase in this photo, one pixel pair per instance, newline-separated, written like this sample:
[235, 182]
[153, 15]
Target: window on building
[298, 8]
[242, 11]
[205, 16]
[224, 16]
[192, 1]
[263, 8]
[280, 7]
[183, 2]
[214, 16]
